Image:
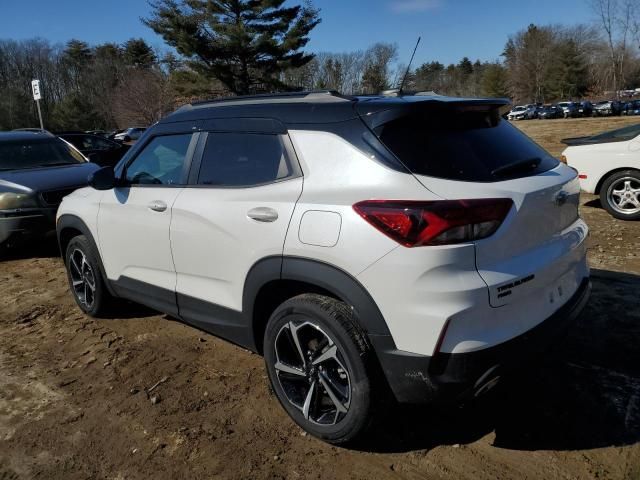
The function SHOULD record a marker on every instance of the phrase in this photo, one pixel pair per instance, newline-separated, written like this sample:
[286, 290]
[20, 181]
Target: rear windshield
[464, 144]
[19, 155]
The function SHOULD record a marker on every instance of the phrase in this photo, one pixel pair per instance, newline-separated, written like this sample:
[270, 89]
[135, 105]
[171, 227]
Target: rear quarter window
[455, 144]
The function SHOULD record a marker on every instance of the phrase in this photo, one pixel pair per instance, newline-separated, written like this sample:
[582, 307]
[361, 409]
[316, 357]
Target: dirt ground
[74, 401]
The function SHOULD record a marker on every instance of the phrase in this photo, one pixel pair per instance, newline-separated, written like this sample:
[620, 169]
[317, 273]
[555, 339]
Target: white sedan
[522, 112]
[608, 164]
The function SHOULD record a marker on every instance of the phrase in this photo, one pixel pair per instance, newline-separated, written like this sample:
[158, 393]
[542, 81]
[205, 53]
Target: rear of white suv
[417, 244]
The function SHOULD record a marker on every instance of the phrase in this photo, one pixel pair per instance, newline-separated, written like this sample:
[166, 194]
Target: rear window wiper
[520, 165]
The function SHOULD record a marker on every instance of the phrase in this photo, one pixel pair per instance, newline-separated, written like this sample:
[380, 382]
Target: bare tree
[618, 20]
[144, 96]
[528, 59]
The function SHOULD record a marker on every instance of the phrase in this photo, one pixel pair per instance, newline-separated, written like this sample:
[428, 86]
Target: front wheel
[620, 195]
[320, 367]
[85, 280]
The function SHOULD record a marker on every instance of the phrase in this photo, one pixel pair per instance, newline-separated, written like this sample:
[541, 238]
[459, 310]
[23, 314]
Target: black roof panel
[309, 107]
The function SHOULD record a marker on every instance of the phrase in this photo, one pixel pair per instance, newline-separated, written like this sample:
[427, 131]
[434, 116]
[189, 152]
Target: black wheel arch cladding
[66, 228]
[317, 274]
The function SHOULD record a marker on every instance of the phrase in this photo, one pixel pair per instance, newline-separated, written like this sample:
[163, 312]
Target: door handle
[263, 214]
[158, 206]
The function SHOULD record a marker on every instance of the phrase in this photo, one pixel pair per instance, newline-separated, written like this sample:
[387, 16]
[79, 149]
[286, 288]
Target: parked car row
[574, 110]
[122, 135]
[96, 148]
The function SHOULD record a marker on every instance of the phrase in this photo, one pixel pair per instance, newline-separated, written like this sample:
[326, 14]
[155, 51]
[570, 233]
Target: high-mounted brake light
[441, 222]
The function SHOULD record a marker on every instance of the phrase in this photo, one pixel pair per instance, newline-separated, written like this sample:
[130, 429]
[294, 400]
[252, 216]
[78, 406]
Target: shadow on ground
[45, 247]
[595, 203]
[584, 394]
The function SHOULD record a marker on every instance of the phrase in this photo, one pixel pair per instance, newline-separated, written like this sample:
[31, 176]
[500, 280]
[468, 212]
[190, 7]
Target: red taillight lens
[444, 222]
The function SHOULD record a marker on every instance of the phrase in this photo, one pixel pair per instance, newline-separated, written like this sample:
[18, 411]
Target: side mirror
[92, 157]
[103, 179]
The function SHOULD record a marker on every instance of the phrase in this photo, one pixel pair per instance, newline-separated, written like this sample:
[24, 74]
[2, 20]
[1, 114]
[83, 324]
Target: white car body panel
[204, 244]
[419, 289]
[597, 161]
[450, 283]
[215, 243]
[133, 239]
[337, 176]
[83, 203]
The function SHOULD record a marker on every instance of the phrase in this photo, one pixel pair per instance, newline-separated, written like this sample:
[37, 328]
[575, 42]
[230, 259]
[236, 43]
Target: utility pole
[35, 87]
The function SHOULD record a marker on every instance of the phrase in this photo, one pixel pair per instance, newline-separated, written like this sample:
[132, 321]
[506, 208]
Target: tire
[321, 323]
[625, 205]
[85, 280]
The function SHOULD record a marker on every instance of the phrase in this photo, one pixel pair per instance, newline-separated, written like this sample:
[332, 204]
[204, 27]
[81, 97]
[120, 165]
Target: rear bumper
[35, 223]
[452, 377]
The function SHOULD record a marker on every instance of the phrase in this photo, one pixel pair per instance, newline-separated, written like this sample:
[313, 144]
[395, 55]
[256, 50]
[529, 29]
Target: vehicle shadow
[595, 203]
[583, 394]
[126, 310]
[45, 247]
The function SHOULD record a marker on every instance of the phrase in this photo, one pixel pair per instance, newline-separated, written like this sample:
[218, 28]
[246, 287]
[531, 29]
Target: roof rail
[307, 95]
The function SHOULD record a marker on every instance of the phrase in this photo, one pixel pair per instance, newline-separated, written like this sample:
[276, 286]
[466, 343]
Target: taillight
[441, 222]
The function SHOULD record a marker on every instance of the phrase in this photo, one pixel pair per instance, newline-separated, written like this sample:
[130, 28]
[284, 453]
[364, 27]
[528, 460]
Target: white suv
[415, 245]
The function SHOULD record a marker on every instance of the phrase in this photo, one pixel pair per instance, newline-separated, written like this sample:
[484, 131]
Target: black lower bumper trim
[455, 376]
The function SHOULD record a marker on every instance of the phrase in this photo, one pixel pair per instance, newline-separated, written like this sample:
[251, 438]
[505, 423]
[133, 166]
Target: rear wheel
[85, 280]
[620, 195]
[320, 367]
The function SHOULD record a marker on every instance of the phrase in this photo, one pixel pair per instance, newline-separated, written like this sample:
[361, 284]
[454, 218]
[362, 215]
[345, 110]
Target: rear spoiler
[375, 115]
[571, 142]
[578, 141]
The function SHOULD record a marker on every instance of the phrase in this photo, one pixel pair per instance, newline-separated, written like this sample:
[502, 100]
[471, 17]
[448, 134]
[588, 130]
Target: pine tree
[75, 57]
[375, 76]
[494, 81]
[246, 44]
[568, 78]
[138, 53]
[465, 66]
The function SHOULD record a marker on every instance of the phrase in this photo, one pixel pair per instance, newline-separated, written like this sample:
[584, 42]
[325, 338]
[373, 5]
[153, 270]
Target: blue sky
[450, 29]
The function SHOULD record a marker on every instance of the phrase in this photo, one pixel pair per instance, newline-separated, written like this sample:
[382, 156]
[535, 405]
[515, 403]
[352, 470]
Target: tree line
[229, 47]
[84, 87]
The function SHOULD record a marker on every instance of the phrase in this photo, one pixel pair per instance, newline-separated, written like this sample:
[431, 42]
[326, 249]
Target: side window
[161, 161]
[243, 160]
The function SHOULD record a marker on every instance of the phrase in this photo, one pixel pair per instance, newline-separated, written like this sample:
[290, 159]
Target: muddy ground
[74, 401]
